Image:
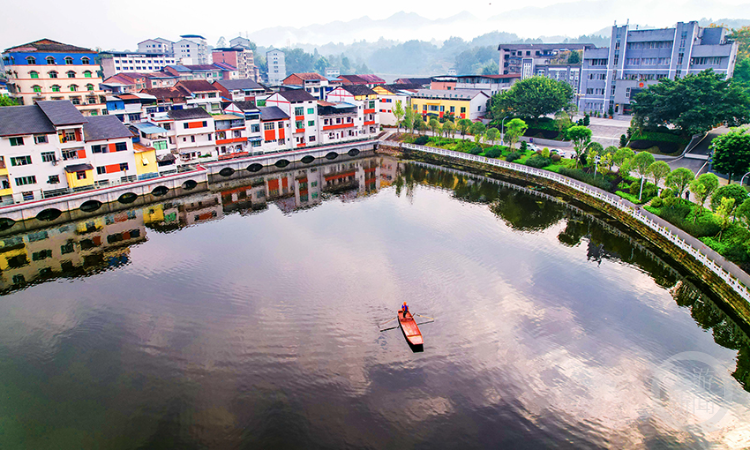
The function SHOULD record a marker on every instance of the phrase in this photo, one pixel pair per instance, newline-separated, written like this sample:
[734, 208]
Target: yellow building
[462, 103]
[5, 187]
[145, 160]
[80, 176]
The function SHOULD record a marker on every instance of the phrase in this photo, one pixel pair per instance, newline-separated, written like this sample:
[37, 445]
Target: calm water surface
[247, 317]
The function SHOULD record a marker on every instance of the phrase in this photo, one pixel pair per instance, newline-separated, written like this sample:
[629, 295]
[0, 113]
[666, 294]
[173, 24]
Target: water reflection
[246, 317]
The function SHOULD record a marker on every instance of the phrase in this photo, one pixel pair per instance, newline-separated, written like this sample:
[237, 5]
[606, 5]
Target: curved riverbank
[724, 278]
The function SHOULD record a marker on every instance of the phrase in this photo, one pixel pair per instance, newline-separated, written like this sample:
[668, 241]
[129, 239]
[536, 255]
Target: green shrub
[649, 190]
[657, 202]
[555, 157]
[422, 140]
[588, 178]
[524, 146]
[512, 156]
[666, 193]
[493, 152]
[705, 225]
[476, 150]
[675, 211]
[538, 162]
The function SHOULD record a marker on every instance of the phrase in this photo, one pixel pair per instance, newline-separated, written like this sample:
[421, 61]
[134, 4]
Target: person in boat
[404, 310]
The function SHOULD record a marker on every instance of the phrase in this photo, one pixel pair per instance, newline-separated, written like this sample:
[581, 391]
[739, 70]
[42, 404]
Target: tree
[422, 126]
[464, 125]
[623, 140]
[641, 163]
[532, 97]
[491, 69]
[513, 130]
[449, 128]
[7, 101]
[658, 170]
[694, 104]
[398, 112]
[605, 163]
[562, 121]
[478, 129]
[724, 211]
[492, 134]
[742, 37]
[743, 212]
[581, 137]
[418, 122]
[408, 119]
[320, 65]
[679, 179]
[574, 58]
[702, 188]
[735, 191]
[434, 125]
[586, 120]
[732, 153]
[622, 155]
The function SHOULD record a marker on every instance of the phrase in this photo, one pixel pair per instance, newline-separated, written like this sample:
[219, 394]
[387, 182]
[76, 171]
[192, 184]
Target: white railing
[735, 277]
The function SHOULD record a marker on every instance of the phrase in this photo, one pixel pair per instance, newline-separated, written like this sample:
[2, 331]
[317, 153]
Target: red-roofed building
[311, 82]
[201, 93]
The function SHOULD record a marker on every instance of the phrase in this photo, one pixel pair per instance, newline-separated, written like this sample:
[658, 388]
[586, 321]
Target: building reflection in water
[103, 242]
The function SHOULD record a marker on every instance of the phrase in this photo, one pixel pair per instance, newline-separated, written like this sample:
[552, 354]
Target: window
[53, 179]
[123, 166]
[71, 74]
[90, 87]
[86, 60]
[42, 254]
[101, 170]
[299, 124]
[453, 109]
[167, 126]
[268, 126]
[192, 138]
[186, 125]
[205, 124]
[55, 88]
[52, 74]
[16, 142]
[50, 61]
[310, 123]
[73, 88]
[36, 89]
[69, 154]
[30, 60]
[99, 149]
[298, 111]
[311, 110]
[68, 60]
[34, 74]
[81, 175]
[121, 147]
[67, 248]
[40, 139]
[372, 104]
[22, 181]
[463, 109]
[48, 156]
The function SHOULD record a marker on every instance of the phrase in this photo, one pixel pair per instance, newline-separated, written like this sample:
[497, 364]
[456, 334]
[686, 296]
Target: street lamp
[502, 131]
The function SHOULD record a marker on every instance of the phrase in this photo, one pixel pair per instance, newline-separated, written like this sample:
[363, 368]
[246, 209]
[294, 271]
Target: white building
[302, 110]
[192, 49]
[388, 95]
[367, 123]
[159, 46]
[190, 132]
[276, 67]
[116, 62]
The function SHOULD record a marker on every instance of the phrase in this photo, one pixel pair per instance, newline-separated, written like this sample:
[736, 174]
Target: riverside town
[373, 234]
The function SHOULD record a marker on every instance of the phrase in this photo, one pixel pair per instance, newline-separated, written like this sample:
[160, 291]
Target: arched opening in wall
[254, 167]
[353, 152]
[308, 159]
[6, 223]
[159, 191]
[90, 205]
[128, 197]
[189, 184]
[332, 155]
[226, 172]
[281, 163]
[49, 214]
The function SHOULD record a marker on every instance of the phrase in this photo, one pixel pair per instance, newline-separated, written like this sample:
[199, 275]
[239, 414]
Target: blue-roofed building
[50, 70]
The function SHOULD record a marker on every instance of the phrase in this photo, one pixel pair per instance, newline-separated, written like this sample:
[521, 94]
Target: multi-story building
[523, 58]
[131, 108]
[276, 67]
[123, 83]
[302, 108]
[276, 129]
[231, 135]
[201, 93]
[636, 59]
[190, 132]
[50, 148]
[239, 41]
[208, 72]
[149, 136]
[388, 96]
[311, 82]
[366, 102]
[239, 90]
[116, 62]
[50, 70]
[192, 49]
[568, 73]
[238, 57]
[338, 122]
[251, 113]
[159, 46]
[462, 104]
[489, 84]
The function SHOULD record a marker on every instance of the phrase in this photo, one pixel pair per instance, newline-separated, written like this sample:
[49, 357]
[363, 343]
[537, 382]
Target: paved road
[703, 147]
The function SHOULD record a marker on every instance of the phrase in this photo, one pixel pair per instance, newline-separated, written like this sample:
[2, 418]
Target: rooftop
[460, 94]
[185, 114]
[227, 117]
[565, 46]
[358, 89]
[245, 106]
[196, 86]
[100, 128]
[296, 95]
[48, 45]
[149, 128]
[20, 120]
[272, 113]
[243, 84]
[61, 112]
[307, 76]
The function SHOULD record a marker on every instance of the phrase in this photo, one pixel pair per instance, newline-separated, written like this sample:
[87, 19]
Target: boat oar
[391, 328]
[384, 323]
[426, 317]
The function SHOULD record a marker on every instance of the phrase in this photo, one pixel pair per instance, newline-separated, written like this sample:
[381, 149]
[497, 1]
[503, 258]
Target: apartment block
[251, 113]
[158, 45]
[366, 123]
[302, 108]
[522, 59]
[311, 82]
[636, 59]
[239, 90]
[276, 67]
[463, 104]
[388, 96]
[192, 49]
[116, 62]
[276, 126]
[240, 58]
[50, 70]
[190, 132]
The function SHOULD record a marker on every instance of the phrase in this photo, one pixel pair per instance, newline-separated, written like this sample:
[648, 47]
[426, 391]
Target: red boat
[410, 329]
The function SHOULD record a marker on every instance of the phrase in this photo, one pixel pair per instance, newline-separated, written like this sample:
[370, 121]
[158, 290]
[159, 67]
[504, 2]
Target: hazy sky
[120, 25]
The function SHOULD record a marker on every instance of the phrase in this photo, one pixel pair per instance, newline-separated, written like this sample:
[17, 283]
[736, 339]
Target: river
[247, 316]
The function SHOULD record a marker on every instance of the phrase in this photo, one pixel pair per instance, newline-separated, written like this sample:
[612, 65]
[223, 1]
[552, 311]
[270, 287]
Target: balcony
[338, 126]
[231, 140]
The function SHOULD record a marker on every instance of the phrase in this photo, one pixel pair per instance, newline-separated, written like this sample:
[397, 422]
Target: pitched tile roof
[243, 83]
[358, 89]
[196, 86]
[401, 87]
[421, 81]
[164, 93]
[61, 112]
[19, 120]
[352, 79]
[201, 67]
[78, 168]
[245, 106]
[272, 113]
[192, 113]
[372, 79]
[48, 45]
[308, 76]
[296, 95]
[100, 128]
